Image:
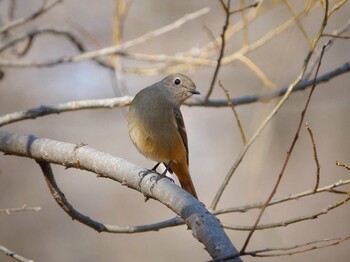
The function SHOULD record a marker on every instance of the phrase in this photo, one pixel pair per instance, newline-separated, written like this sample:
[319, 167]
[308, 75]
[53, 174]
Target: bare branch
[65, 107]
[343, 165]
[222, 48]
[297, 248]
[268, 118]
[15, 256]
[108, 50]
[289, 153]
[327, 189]
[337, 36]
[289, 221]
[31, 34]
[23, 208]
[125, 101]
[234, 112]
[61, 200]
[318, 167]
[21, 21]
[266, 96]
[205, 227]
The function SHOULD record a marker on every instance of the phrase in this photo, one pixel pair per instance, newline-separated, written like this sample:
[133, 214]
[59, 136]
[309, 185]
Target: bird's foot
[144, 173]
[155, 179]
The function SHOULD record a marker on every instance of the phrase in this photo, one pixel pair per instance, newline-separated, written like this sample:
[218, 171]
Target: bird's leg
[144, 173]
[155, 179]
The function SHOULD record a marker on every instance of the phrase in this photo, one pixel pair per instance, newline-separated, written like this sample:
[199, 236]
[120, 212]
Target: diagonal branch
[21, 21]
[292, 146]
[205, 227]
[109, 50]
[14, 255]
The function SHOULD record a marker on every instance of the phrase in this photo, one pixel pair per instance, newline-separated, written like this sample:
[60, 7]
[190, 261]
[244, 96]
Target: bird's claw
[155, 179]
[144, 173]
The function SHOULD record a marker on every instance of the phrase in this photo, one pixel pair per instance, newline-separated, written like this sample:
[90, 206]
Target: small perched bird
[157, 129]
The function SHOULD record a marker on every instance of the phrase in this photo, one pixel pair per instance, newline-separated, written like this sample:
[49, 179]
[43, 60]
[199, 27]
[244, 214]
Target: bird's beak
[194, 91]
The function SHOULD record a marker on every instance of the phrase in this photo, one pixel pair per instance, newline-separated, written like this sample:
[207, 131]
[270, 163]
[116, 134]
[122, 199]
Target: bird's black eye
[177, 81]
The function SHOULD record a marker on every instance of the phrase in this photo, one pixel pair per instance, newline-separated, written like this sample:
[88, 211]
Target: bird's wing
[181, 128]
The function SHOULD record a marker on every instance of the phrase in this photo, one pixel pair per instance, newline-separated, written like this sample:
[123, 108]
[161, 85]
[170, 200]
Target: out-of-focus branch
[205, 227]
[108, 50]
[31, 34]
[11, 25]
[14, 255]
[266, 96]
[264, 123]
[228, 14]
[292, 146]
[23, 208]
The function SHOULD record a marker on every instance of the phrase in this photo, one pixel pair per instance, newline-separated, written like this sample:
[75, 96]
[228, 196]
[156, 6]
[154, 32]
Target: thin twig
[335, 241]
[299, 24]
[23, 208]
[230, 104]
[336, 36]
[289, 153]
[222, 48]
[289, 221]
[126, 100]
[326, 189]
[318, 167]
[113, 49]
[258, 71]
[266, 121]
[11, 25]
[268, 95]
[342, 165]
[30, 35]
[341, 30]
[14, 255]
[296, 249]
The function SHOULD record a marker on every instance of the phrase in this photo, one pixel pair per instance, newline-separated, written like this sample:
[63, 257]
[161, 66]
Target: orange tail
[183, 174]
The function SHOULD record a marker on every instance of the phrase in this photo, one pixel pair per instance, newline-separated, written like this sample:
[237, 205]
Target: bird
[157, 129]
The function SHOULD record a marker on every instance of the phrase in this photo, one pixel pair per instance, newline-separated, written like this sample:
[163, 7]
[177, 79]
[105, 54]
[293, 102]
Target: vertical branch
[222, 49]
[228, 14]
[318, 167]
[289, 153]
[298, 22]
[119, 14]
[274, 111]
[245, 24]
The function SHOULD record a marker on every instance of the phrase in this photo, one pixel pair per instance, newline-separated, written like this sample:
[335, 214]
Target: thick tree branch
[205, 227]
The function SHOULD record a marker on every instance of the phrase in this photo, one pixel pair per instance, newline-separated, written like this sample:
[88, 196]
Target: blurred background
[214, 138]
